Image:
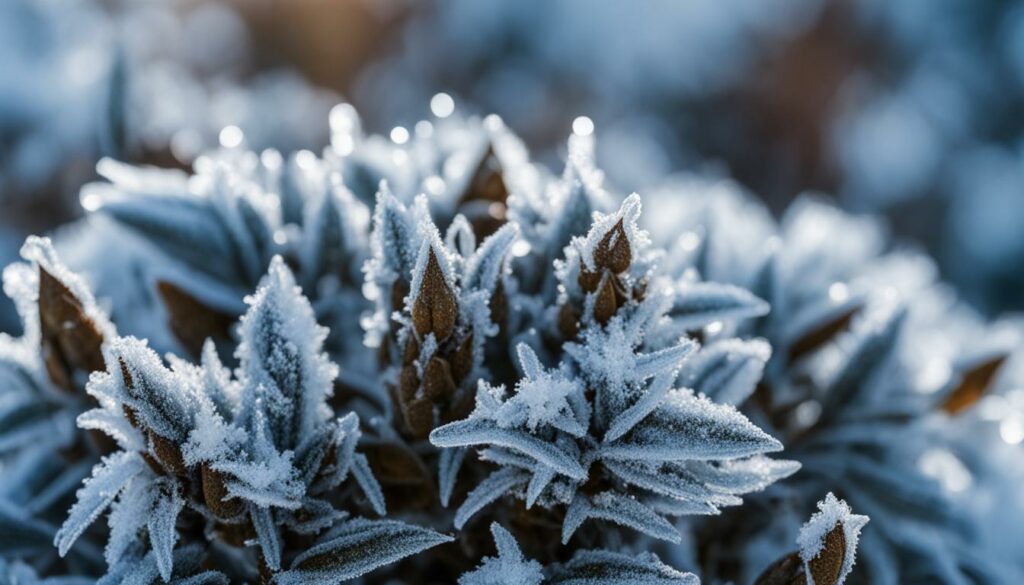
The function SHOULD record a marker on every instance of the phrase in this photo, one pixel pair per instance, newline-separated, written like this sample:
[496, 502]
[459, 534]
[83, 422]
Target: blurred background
[912, 110]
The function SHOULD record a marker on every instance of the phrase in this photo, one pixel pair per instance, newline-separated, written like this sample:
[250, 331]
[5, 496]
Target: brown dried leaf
[816, 338]
[568, 321]
[191, 320]
[214, 492]
[973, 385]
[435, 308]
[71, 341]
[828, 565]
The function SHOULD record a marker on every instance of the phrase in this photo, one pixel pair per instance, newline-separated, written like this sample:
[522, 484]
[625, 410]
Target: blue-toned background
[909, 109]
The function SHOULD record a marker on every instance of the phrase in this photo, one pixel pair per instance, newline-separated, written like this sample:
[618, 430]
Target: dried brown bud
[419, 417]
[215, 492]
[71, 341]
[568, 321]
[487, 183]
[816, 338]
[613, 252]
[434, 309]
[438, 384]
[168, 453]
[191, 320]
[412, 351]
[605, 304]
[589, 281]
[828, 565]
[462, 359]
[974, 384]
[789, 570]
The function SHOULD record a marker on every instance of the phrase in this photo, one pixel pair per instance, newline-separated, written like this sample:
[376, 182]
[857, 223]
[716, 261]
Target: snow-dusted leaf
[490, 489]
[356, 548]
[368, 483]
[727, 371]
[484, 267]
[649, 401]
[689, 427]
[449, 464]
[476, 431]
[108, 479]
[162, 516]
[509, 567]
[268, 536]
[620, 509]
[703, 303]
[598, 567]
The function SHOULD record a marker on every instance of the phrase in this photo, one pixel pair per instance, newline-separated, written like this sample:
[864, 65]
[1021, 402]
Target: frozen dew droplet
[442, 105]
[399, 135]
[231, 137]
[583, 126]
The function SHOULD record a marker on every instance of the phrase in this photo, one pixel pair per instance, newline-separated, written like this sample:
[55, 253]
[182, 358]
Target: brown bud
[419, 417]
[816, 338]
[568, 321]
[462, 359]
[789, 570]
[412, 351]
[399, 291]
[70, 339]
[434, 309]
[438, 384]
[613, 251]
[973, 385]
[168, 453]
[605, 305]
[589, 281]
[215, 492]
[828, 565]
[408, 383]
[191, 320]
[487, 183]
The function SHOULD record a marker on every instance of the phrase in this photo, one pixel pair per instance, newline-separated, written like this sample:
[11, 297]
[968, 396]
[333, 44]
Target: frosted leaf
[115, 425]
[828, 542]
[267, 535]
[877, 336]
[184, 227]
[356, 548]
[509, 567]
[282, 360]
[108, 479]
[330, 245]
[702, 303]
[620, 509]
[542, 478]
[484, 267]
[24, 419]
[394, 239]
[664, 360]
[661, 479]
[476, 431]
[162, 516]
[460, 238]
[128, 516]
[540, 398]
[157, 396]
[689, 427]
[448, 469]
[649, 401]
[740, 476]
[490, 489]
[368, 483]
[599, 567]
[727, 371]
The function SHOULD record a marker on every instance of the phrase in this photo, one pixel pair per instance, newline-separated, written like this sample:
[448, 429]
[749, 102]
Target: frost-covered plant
[866, 354]
[606, 434]
[494, 343]
[254, 460]
[510, 567]
[43, 457]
